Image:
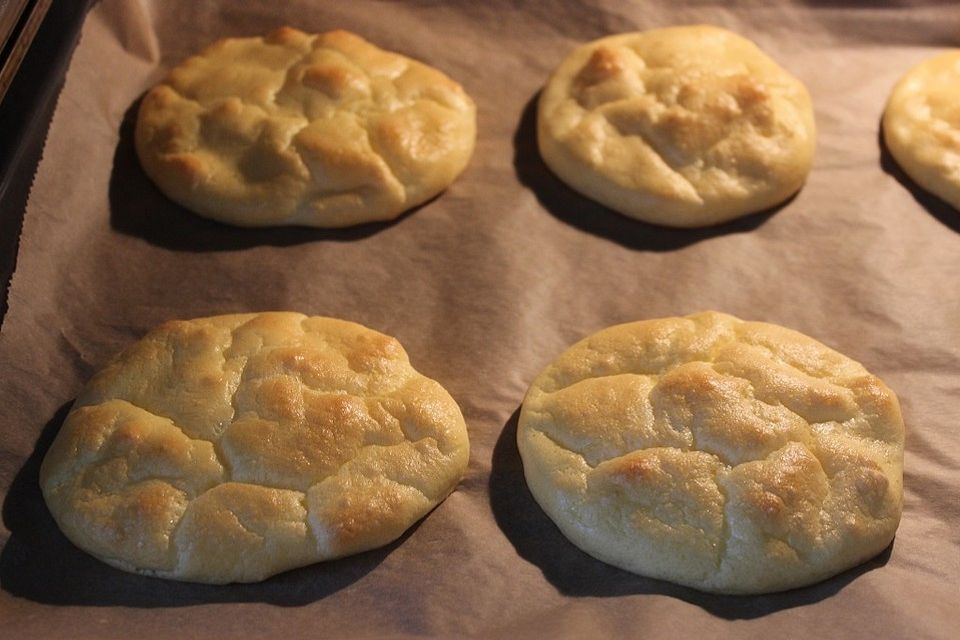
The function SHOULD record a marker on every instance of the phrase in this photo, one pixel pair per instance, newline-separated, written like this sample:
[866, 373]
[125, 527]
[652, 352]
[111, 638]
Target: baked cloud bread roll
[684, 126]
[321, 130]
[921, 125]
[231, 448]
[729, 456]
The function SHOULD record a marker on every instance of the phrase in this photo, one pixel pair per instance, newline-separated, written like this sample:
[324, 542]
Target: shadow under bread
[39, 563]
[139, 209]
[580, 212]
[574, 573]
[947, 215]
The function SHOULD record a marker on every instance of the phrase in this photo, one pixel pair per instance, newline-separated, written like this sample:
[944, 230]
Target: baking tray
[484, 286]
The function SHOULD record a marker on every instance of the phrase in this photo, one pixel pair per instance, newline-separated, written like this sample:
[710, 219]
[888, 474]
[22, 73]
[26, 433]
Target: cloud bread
[683, 126]
[921, 125]
[728, 456]
[322, 130]
[231, 448]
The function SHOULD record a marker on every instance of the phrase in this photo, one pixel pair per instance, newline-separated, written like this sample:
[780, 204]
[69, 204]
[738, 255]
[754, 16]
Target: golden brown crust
[323, 130]
[730, 456]
[228, 449]
[684, 126]
[921, 125]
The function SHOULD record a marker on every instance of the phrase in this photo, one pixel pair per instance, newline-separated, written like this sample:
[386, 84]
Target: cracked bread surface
[729, 456]
[231, 448]
[683, 126]
[321, 130]
[921, 125]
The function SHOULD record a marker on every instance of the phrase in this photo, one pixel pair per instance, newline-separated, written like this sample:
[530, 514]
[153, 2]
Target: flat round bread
[231, 448]
[322, 130]
[728, 456]
[921, 125]
[683, 127]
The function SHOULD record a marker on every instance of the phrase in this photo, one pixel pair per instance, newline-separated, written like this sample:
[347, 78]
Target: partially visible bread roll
[921, 125]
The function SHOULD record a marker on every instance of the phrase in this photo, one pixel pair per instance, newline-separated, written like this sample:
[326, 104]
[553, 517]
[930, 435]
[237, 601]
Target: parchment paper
[484, 286]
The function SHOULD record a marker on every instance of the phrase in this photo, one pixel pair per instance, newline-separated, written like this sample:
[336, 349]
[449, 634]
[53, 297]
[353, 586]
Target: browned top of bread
[323, 130]
[684, 126]
[230, 448]
[730, 456]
